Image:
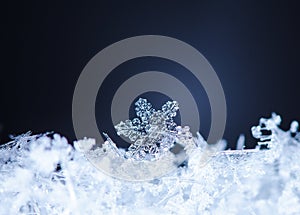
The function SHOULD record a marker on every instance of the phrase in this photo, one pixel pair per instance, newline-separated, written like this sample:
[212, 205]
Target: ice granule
[43, 174]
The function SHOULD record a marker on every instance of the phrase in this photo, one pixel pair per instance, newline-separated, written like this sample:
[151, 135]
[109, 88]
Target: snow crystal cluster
[43, 174]
[154, 135]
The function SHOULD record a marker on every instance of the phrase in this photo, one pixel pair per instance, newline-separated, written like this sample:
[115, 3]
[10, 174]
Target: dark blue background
[253, 47]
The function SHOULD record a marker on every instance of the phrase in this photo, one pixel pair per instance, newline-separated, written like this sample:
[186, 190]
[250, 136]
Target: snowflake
[152, 132]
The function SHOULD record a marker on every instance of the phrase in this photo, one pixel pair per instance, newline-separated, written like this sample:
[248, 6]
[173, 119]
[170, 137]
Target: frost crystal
[43, 174]
[153, 132]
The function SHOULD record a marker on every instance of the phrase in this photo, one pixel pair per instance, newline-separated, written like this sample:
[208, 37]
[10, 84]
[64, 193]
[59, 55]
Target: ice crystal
[153, 132]
[43, 174]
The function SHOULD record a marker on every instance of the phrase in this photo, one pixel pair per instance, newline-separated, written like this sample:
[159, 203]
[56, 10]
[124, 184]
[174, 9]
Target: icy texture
[45, 175]
[150, 156]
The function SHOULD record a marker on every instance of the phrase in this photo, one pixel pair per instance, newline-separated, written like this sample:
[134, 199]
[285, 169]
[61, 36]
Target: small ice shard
[241, 142]
[294, 127]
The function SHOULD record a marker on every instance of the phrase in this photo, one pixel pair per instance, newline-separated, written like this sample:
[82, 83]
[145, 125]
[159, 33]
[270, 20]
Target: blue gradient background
[252, 45]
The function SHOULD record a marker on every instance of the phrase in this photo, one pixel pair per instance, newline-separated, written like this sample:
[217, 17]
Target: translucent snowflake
[152, 132]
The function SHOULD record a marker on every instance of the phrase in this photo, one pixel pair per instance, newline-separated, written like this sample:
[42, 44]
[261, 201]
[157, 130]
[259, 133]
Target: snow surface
[43, 174]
